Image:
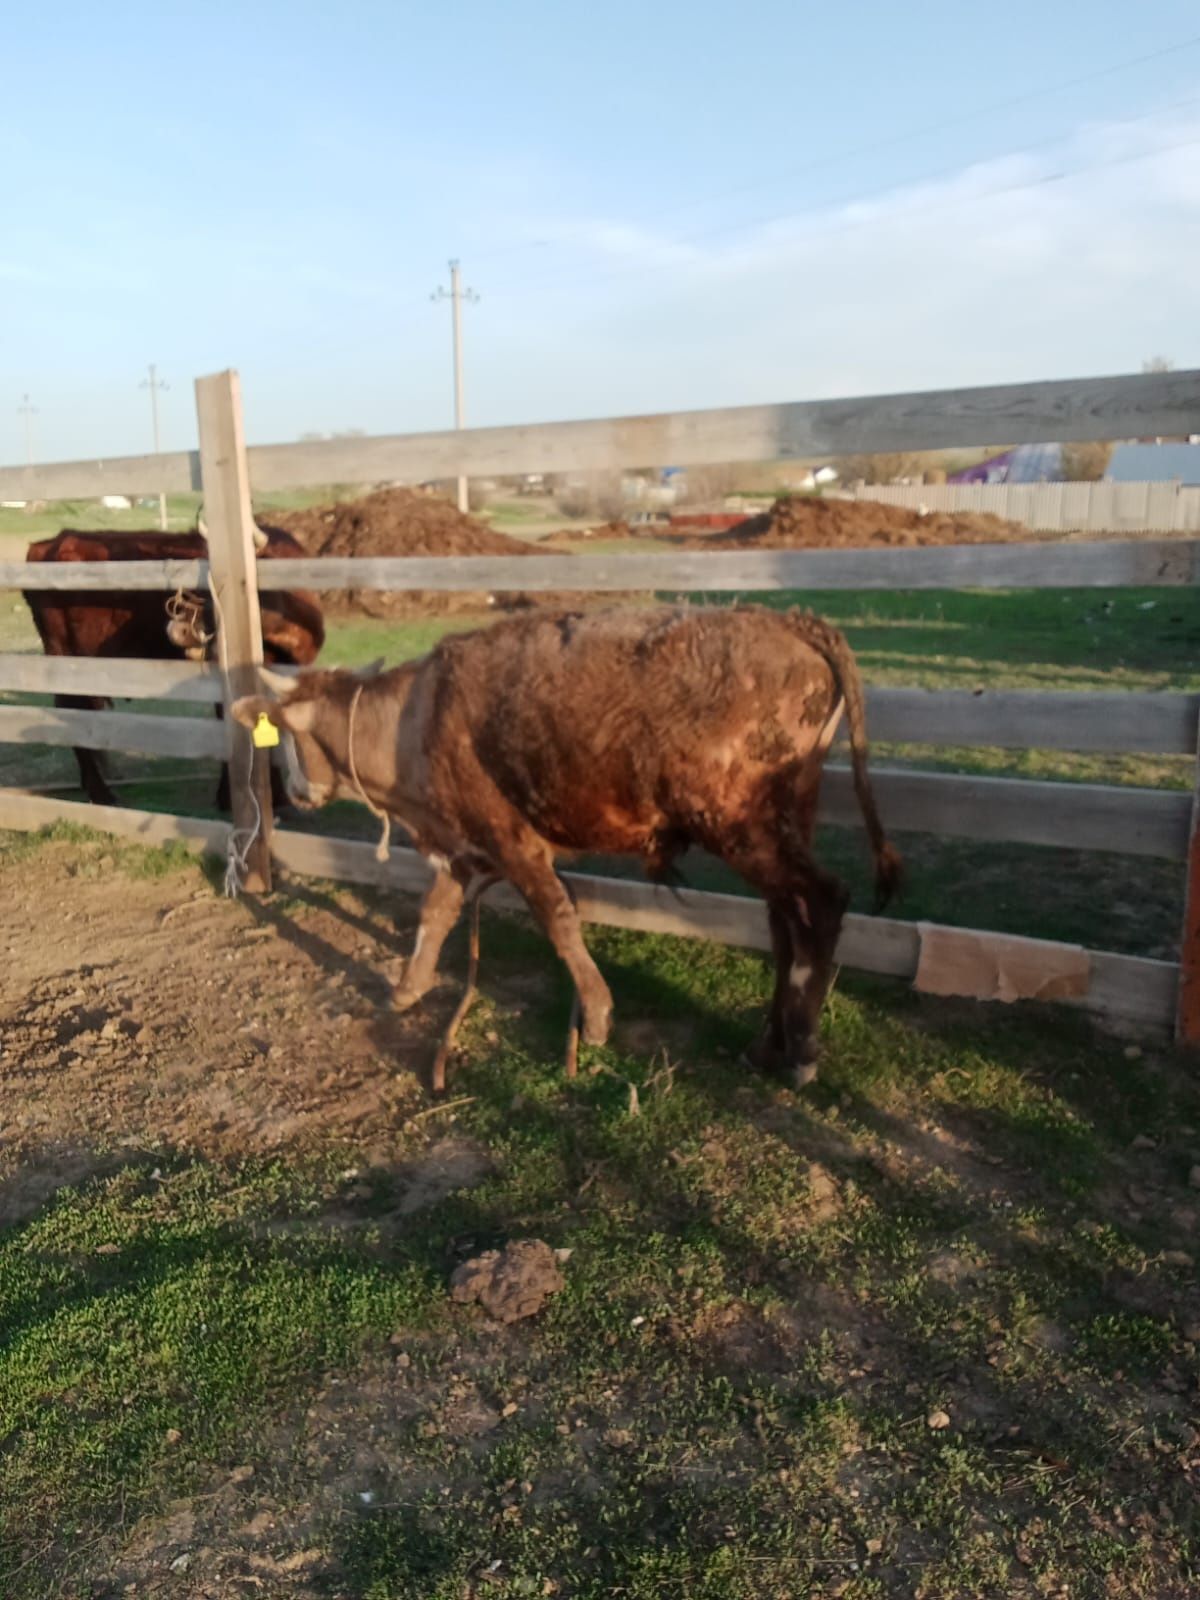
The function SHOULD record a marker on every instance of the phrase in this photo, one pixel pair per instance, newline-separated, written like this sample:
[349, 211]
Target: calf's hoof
[797, 1066]
[597, 1025]
[404, 999]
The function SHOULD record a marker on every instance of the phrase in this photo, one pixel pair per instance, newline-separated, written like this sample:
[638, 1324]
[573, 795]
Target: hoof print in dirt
[511, 1283]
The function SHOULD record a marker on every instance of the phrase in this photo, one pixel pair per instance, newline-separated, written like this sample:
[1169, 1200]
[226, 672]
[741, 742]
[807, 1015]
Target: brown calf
[144, 624]
[634, 731]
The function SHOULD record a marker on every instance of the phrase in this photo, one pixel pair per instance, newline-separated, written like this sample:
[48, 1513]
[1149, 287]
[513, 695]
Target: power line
[538, 285]
[456, 295]
[827, 159]
[27, 410]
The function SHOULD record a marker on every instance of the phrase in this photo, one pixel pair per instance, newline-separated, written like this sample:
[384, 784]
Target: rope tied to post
[241, 840]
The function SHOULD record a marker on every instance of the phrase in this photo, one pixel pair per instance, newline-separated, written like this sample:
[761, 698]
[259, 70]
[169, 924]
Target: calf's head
[311, 714]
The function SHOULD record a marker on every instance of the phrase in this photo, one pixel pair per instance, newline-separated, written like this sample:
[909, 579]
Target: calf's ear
[250, 707]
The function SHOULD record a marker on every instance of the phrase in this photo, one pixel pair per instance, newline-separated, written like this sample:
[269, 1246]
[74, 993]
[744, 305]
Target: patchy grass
[252, 1366]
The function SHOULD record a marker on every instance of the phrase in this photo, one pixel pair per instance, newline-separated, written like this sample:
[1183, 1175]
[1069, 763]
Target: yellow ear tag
[265, 734]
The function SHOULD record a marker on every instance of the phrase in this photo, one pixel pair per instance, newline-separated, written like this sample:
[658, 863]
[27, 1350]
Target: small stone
[636, 1322]
[404, 1361]
[510, 1410]
[937, 1420]
[1145, 1142]
[181, 1563]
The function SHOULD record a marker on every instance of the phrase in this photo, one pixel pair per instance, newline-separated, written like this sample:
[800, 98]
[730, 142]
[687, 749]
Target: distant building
[814, 478]
[1155, 463]
[1027, 463]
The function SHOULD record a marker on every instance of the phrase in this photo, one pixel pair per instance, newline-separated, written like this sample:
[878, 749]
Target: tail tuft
[889, 875]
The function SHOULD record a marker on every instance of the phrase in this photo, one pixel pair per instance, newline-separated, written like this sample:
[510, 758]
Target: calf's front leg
[439, 912]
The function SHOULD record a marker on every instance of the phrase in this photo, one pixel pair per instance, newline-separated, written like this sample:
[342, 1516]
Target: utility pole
[28, 411]
[154, 383]
[456, 294]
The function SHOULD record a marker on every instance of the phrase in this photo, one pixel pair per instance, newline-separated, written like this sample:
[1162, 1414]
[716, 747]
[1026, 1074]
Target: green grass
[768, 1294]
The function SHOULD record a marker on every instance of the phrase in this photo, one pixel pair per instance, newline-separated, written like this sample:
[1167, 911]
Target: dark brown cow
[148, 625]
[636, 731]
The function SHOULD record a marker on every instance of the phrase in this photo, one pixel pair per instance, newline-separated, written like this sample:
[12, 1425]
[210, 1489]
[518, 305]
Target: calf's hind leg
[806, 907]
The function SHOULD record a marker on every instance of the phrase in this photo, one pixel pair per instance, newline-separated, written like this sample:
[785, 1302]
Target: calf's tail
[832, 644]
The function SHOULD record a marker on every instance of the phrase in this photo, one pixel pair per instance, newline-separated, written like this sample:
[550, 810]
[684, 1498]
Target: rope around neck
[382, 849]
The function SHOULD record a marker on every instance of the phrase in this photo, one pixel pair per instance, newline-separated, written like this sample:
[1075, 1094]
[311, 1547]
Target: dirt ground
[166, 1014]
[405, 522]
[912, 1313]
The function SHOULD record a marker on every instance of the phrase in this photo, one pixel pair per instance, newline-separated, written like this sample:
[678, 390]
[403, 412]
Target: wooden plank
[1130, 988]
[1035, 719]
[1145, 405]
[1112, 564]
[1153, 723]
[1187, 1016]
[1007, 566]
[194, 738]
[234, 568]
[1126, 987]
[100, 576]
[27, 812]
[1075, 816]
[175, 472]
[1097, 408]
[182, 681]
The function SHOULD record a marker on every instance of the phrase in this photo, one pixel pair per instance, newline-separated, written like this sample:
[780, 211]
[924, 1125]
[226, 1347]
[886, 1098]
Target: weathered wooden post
[234, 578]
[1187, 1015]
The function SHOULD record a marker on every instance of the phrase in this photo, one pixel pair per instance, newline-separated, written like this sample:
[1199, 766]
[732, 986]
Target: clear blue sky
[661, 206]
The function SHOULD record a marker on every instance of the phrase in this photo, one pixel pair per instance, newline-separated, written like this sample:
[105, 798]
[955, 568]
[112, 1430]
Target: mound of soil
[405, 522]
[818, 524]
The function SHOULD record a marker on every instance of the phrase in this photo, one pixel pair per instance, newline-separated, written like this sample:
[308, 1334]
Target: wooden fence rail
[1138, 722]
[1144, 406]
[1137, 563]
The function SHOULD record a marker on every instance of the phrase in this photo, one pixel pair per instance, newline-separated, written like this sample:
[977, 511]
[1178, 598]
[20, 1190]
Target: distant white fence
[1058, 507]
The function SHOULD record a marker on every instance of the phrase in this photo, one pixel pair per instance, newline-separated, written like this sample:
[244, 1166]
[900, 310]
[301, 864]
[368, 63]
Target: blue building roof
[1155, 463]
[1027, 463]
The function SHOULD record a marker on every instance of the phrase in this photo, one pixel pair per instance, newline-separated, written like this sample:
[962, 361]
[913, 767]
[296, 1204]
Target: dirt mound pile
[818, 524]
[401, 522]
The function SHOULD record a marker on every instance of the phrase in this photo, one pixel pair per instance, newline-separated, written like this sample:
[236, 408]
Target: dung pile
[805, 523]
[404, 522]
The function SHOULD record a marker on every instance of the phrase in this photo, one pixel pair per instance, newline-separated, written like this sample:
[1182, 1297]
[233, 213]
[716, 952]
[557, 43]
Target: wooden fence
[1125, 820]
